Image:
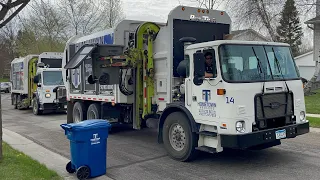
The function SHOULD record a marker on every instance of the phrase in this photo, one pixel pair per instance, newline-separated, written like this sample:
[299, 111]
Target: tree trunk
[313, 83]
[0, 128]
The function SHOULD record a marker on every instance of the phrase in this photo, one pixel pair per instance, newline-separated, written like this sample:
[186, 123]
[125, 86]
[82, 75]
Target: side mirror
[91, 79]
[41, 64]
[199, 68]
[36, 79]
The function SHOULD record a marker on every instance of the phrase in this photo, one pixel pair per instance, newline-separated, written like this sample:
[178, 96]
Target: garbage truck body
[140, 70]
[37, 82]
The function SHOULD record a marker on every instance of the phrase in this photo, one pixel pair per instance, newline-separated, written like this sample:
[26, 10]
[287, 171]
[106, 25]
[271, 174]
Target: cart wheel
[83, 172]
[69, 168]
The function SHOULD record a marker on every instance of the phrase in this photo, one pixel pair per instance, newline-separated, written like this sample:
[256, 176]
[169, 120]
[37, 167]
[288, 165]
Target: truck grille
[274, 110]
[61, 92]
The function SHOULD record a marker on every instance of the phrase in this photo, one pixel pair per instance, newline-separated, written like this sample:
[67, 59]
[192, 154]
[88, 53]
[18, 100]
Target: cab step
[206, 149]
[208, 133]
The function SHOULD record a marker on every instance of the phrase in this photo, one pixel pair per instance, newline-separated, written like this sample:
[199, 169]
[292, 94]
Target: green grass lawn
[314, 122]
[16, 165]
[313, 103]
[4, 80]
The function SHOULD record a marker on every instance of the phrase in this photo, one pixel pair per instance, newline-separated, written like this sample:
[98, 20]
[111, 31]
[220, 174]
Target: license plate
[280, 134]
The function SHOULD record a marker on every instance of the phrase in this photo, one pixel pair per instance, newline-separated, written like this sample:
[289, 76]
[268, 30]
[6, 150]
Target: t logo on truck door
[206, 95]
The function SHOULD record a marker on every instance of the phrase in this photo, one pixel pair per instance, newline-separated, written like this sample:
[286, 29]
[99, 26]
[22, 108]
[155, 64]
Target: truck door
[203, 97]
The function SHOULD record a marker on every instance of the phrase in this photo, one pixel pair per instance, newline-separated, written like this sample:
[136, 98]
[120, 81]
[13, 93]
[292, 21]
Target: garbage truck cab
[50, 92]
[207, 93]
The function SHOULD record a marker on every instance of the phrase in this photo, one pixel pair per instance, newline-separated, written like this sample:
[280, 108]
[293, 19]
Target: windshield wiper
[279, 68]
[259, 65]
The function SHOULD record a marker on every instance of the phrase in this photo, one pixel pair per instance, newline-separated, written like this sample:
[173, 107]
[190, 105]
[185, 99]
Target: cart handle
[66, 126]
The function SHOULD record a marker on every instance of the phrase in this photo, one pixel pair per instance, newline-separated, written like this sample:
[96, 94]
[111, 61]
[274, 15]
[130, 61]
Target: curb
[314, 130]
[50, 159]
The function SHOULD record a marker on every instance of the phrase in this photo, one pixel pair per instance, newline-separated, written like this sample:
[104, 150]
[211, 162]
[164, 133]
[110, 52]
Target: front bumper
[54, 106]
[245, 141]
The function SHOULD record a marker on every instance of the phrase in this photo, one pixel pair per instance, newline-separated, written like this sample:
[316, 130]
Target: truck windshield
[248, 63]
[52, 78]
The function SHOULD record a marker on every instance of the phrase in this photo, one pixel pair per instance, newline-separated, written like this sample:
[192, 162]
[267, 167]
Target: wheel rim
[77, 116]
[83, 173]
[177, 137]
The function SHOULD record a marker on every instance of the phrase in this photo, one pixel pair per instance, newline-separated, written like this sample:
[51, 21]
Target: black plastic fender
[174, 107]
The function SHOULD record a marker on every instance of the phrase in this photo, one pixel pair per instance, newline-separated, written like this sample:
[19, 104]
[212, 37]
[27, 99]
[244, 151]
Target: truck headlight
[47, 95]
[240, 126]
[302, 116]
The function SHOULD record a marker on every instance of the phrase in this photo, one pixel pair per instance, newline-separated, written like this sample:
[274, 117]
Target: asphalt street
[137, 155]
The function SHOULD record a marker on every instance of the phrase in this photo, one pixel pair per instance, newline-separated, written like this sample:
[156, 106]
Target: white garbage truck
[208, 93]
[37, 81]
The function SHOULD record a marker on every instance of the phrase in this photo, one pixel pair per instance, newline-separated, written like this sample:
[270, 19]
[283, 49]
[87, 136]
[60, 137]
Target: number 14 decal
[230, 100]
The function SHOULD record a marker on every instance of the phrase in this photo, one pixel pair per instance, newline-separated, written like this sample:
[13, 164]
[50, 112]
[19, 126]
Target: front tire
[178, 139]
[35, 107]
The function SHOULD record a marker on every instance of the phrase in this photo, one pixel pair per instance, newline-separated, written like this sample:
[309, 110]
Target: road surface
[136, 154]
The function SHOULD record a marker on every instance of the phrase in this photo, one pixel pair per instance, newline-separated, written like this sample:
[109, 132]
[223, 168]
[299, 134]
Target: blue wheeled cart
[88, 147]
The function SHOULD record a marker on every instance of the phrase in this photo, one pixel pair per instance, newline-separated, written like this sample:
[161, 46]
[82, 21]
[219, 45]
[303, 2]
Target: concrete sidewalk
[313, 115]
[50, 159]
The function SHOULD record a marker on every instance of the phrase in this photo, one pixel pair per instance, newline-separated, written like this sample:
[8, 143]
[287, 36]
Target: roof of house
[243, 31]
[303, 55]
[313, 20]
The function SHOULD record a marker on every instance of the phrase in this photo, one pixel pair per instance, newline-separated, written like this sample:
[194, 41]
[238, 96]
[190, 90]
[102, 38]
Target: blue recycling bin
[88, 147]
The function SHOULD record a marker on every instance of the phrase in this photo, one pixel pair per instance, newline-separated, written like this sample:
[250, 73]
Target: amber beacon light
[221, 91]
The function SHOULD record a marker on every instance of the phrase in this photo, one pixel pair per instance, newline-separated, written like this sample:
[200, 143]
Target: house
[247, 35]
[306, 65]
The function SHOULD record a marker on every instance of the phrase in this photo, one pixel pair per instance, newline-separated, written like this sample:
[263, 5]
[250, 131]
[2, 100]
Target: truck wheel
[79, 112]
[14, 101]
[35, 107]
[93, 111]
[178, 139]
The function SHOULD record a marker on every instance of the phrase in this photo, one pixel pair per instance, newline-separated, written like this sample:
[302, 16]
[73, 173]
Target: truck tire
[94, 111]
[178, 139]
[79, 112]
[14, 101]
[35, 107]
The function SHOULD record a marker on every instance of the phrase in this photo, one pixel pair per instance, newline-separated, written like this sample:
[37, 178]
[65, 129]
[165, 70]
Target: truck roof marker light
[207, 11]
[221, 91]
[203, 11]
[183, 8]
[199, 10]
[221, 13]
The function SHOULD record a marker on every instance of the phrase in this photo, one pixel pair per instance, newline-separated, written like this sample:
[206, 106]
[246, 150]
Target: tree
[290, 30]
[44, 29]
[261, 14]
[6, 6]
[115, 13]
[83, 17]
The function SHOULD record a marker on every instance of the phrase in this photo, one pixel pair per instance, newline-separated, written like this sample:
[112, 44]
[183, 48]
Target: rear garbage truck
[37, 82]
[207, 93]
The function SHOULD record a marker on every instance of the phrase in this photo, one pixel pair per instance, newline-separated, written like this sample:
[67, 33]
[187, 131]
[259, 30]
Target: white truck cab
[254, 98]
[51, 92]
[47, 96]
